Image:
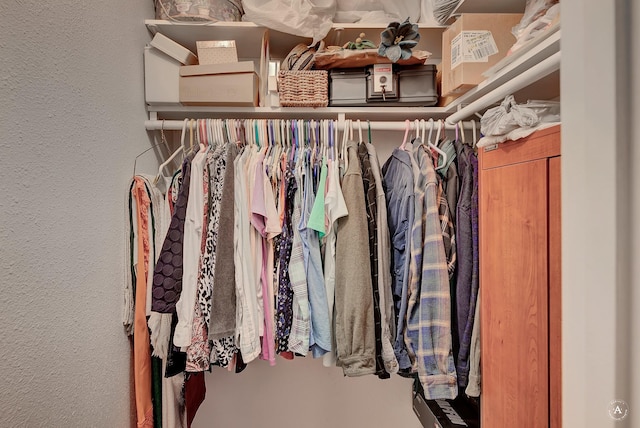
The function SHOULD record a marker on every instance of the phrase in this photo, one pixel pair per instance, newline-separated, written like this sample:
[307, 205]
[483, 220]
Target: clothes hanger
[369, 126]
[360, 139]
[424, 130]
[345, 136]
[436, 148]
[192, 126]
[332, 138]
[407, 124]
[202, 135]
[473, 130]
[212, 133]
[351, 130]
[135, 160]
[180, 149]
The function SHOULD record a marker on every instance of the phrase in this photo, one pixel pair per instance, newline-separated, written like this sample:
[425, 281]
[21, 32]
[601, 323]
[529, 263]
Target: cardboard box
[173, 49]
[161, 74]
[471, 45]
[217, 51]
[233, 84]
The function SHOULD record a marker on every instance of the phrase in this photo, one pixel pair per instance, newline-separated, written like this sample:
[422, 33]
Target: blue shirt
[399, 193]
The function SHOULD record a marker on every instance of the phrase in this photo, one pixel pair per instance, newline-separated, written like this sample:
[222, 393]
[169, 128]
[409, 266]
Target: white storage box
[173, 49]
[233, 84]
[161, 77]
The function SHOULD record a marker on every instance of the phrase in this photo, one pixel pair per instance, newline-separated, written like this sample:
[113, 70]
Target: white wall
[304, 394]
[71, 125]
[599, 236]
[634, 295]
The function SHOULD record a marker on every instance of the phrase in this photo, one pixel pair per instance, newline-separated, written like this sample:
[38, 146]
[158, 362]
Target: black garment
[370, 198]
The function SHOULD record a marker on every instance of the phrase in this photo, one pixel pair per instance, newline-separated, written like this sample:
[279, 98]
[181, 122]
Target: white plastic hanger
[407, 124]
[436, 148]
[343, 151]
[473, 130]
[360, 140]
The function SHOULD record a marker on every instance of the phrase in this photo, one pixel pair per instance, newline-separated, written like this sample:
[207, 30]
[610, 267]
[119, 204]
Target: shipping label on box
[472, 46]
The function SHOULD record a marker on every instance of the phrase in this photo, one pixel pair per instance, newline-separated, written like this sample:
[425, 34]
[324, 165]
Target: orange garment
[141, 342]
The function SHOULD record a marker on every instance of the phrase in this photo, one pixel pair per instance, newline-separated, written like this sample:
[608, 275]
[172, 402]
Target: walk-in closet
[353, 214]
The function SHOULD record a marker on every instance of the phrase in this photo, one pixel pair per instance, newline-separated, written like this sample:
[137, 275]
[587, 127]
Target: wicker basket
[303, 88]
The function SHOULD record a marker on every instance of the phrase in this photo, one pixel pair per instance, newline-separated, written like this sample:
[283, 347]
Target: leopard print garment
[216, 164]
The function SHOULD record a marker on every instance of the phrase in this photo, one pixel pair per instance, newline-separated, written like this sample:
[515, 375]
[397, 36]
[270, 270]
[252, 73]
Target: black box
[456, 413]
[412, 86]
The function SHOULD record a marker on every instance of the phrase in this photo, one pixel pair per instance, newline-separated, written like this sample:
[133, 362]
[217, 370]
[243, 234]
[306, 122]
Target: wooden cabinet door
[514, 305]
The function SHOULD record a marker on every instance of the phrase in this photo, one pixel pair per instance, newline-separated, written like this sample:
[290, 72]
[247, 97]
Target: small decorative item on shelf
[360, 43]
[397, 40]
[309, 88]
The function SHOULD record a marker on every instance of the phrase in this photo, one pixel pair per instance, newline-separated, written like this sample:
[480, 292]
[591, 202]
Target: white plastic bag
[533, 10]
[437, 12]
[507, 117]
[535, 28]
[426, 13]
[361, 10]
[305, 18]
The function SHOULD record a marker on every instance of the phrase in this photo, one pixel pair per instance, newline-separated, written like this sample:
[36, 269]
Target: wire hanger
[180, 149]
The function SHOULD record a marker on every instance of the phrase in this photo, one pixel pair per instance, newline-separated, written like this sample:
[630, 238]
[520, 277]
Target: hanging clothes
[320, 330]
[428, 331]
[167, 279]
[223, 297]
[336, 209]
[400, 196]
[273, 249]
[290, 308]
[247, 331]
[141, 342]
[355, 332]
[370, 198]
[384, 265]
[467, 248]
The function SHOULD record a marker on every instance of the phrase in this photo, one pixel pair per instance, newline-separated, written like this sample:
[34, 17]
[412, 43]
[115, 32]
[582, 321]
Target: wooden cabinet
[519, 196]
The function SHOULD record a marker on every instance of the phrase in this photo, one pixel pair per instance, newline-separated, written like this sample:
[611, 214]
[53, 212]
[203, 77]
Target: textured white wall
[71, 86]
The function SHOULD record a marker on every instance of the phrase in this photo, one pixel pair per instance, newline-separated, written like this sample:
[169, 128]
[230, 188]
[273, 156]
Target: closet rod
[535, 73]
[176, 125]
